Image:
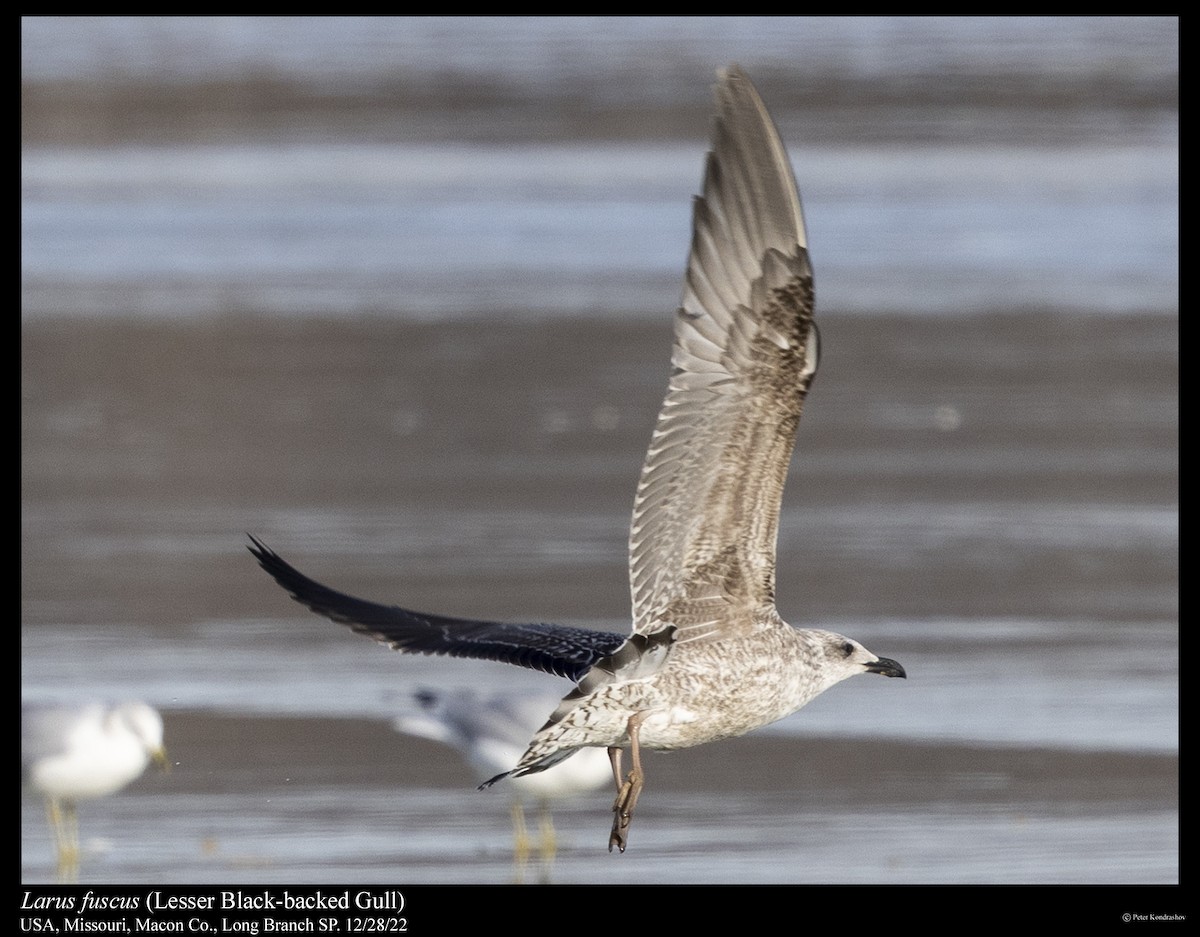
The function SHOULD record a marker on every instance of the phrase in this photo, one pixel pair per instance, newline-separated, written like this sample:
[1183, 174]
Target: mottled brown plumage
[708, 657]
[706, 514]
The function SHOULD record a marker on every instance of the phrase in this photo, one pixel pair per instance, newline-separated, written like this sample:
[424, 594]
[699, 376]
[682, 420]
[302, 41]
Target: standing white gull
[709, 657]
[73, 752]
[491, 733]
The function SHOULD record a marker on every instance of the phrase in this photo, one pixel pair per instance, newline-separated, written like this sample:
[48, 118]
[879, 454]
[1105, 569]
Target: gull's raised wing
[702, 542]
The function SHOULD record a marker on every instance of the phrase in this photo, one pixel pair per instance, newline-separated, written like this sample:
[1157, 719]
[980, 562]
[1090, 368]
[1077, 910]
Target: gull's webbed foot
[626, 800]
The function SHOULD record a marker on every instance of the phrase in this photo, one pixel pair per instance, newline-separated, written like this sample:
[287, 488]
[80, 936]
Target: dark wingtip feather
[556, 649]
[490, 781]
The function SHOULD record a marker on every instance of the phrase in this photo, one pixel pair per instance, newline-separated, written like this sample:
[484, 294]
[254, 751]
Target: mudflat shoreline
[215, 751]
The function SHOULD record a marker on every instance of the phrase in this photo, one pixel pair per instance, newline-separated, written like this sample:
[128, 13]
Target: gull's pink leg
[614, 758]
[628, 790]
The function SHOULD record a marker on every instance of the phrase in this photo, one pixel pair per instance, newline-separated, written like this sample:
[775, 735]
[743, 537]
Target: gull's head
[843, 657]
[145, 724]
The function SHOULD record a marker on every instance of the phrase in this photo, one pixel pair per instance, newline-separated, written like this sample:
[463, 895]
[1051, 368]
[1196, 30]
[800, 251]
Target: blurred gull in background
[71, 752]
[491, 733]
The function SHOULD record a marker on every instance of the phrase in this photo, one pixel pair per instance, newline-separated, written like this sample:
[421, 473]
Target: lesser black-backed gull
[708, 657]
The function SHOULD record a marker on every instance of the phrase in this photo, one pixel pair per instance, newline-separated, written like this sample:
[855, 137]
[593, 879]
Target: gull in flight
[491, 734]
[708, 656]
[75, 752]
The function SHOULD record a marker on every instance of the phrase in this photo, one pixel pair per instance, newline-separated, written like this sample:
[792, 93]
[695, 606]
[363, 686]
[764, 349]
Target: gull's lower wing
[556, 649]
